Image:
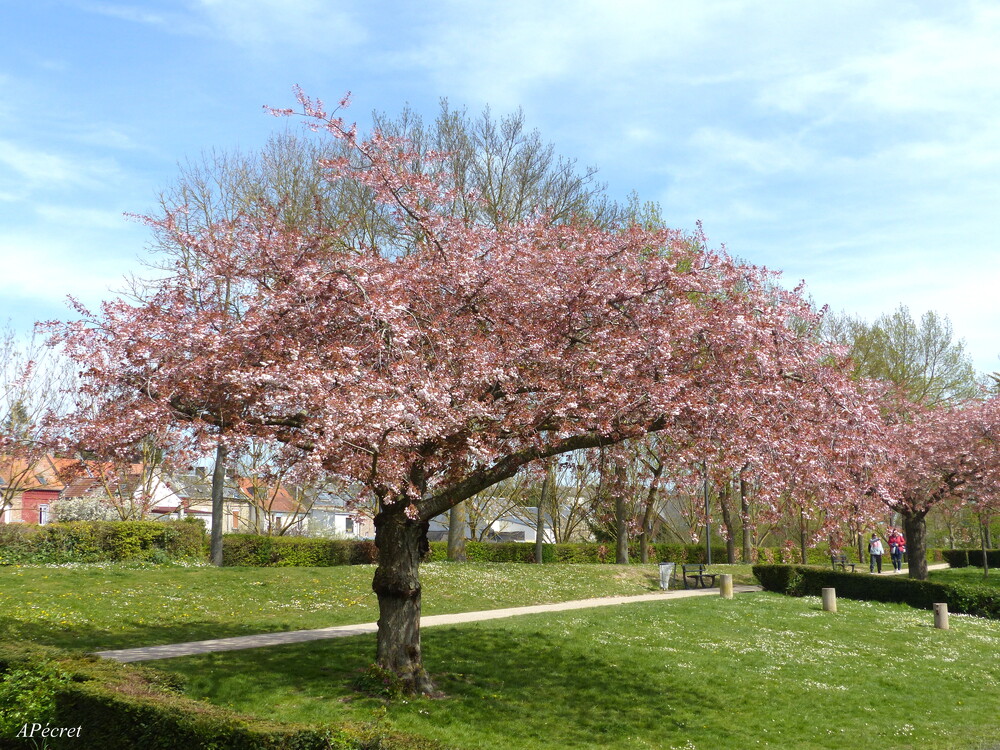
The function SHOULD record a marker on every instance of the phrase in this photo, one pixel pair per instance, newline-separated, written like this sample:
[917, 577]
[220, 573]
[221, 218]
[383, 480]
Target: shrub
[805, 580]
[579, 552]
[956, 558]
[121, 707]
[82, 509]
[253, 550]
[976, 558]
[97, 541]
[963, 558]
[28, 695]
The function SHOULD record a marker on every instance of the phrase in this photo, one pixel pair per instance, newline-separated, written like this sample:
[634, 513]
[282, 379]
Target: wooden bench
[698, 576]
[841, 561]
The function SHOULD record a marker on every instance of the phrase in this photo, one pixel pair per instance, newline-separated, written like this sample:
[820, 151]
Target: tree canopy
[444, 355]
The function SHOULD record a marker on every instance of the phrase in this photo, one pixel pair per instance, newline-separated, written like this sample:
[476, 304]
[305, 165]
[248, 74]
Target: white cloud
[506, 52]
[924, 67]
[133, 13]
[81, 218]
[784, 153]
[319, 25]
[46, 268]
[31, 168]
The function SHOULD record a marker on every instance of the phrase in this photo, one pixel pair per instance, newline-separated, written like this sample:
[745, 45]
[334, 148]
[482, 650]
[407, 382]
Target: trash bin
[666, 574]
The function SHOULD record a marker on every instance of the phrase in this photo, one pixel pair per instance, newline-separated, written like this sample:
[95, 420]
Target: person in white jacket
[875, 552]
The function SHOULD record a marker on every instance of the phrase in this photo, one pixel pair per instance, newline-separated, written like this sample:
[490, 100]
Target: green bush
[98, 541]
[263, 551]
[964, 558]
[956, 558]
[806, 580]
[581, 552]
[122, 707]
[254, 550]
[976, 558]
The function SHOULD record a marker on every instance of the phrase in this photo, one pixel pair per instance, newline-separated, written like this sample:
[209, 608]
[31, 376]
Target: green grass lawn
[759, 671]
[109, 606]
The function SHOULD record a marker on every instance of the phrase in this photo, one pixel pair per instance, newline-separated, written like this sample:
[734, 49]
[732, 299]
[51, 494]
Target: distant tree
[34, 382]
[923, 358]
[940, 454]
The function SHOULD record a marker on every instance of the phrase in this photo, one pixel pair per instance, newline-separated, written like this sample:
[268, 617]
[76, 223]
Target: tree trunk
[647, 516]
[915, 529]
[456, 533]
[218, 489]
[725, 495]
[803, 537]
[621, 520]
[747, 527]
[984, 539]
[540, 518]
[401, 544]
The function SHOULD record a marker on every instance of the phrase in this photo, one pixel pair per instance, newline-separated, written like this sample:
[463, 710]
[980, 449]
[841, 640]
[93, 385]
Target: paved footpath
[343, 631]
[150, 653]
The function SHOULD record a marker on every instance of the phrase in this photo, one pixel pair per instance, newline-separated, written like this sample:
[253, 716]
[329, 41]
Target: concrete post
[726, 586]
[941, 616]
[829, 600]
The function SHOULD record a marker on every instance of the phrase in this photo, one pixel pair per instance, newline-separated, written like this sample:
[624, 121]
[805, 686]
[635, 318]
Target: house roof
[194, 486]
[271, 498]
[44, 473]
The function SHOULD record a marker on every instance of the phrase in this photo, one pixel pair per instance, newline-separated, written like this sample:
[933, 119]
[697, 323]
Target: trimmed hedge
[807, 580]
[956, 558]
[253, 550]
[583, 552]
[122, 707]
[964, 558]
[98, 541]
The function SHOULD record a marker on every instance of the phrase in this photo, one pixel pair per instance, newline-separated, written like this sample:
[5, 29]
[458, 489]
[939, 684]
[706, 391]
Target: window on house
[349, 525]
[43, 514]
[236, 520]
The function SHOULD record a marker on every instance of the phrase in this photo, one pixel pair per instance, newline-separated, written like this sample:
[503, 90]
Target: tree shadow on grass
[550, 689]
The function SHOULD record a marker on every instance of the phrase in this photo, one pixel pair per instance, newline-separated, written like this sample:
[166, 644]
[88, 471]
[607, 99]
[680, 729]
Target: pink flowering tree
[446, 359]
[944, 453]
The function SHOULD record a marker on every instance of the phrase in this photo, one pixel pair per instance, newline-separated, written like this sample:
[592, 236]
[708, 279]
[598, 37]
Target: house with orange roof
[28, 488]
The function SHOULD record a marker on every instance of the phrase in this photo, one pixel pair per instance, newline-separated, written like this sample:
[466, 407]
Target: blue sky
[855, 145]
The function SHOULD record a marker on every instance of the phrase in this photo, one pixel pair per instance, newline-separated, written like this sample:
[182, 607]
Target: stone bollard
[726, 586]
[941, 616]
[830, 600]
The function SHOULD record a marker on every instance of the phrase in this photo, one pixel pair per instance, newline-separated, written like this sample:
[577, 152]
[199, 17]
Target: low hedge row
[807, 580]
[96, 541]
[122, 707]
[963, 558]
[582, 552]
[252, 550]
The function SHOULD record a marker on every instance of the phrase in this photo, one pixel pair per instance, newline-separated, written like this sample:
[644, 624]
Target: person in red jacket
[897, 546]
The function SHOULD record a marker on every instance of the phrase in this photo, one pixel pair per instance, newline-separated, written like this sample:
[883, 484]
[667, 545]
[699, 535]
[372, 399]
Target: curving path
[150, 653]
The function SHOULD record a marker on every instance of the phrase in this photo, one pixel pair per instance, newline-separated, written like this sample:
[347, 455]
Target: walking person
[875, 552]
[897, 546]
